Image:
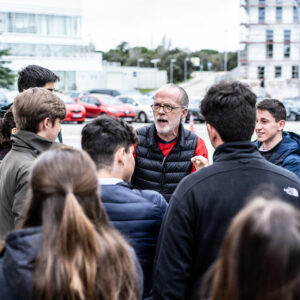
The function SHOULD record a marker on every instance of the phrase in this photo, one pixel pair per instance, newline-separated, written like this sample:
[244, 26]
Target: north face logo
[291, 191]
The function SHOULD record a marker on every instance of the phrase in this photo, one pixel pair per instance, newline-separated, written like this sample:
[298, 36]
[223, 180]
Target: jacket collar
[152, 138]
[236, 150]
[290, 143]
[32, 141]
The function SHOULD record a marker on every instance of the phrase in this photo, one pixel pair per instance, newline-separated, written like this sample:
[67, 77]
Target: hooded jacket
[287, 154]
[201, 210]
[17, 263]
[14, 173]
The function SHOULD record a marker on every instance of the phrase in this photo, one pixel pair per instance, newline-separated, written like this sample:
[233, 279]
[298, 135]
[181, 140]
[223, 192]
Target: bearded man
[166, 149]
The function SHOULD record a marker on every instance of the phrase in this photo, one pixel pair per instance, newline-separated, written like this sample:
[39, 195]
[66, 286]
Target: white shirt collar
[109, 181]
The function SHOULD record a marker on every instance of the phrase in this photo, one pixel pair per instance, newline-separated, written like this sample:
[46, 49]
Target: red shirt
[167, 147]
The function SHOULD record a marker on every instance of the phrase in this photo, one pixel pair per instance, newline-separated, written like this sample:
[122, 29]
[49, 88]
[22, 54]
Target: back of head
[34, 105]
[81, 256]
[230, 108]
[35, 76]
[274, 107]
[102, 137]
[260, 256]
[8, 123]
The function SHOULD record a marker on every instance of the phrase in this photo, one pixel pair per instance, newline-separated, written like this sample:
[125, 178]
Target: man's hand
[199, 162]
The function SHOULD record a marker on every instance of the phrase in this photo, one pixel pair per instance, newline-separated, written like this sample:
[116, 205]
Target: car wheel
[292, 117]
[143, 118]
[80, 122]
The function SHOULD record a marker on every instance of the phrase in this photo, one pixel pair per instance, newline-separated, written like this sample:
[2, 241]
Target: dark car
[292, 106]
[194, 108]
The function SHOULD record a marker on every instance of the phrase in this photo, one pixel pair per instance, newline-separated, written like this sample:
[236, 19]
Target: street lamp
[171, 69]
[155, 62]
[185, 68]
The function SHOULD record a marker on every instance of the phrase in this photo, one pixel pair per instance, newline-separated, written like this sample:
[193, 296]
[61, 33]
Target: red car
[75, 111]
[98, 104]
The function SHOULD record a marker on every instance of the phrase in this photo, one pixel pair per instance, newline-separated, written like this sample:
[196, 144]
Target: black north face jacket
[201, 210]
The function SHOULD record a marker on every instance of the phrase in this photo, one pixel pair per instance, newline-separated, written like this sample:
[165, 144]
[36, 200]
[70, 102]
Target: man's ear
[120, 154]
[214, 136]
[281, 124]
[45, 124]
[184, 113]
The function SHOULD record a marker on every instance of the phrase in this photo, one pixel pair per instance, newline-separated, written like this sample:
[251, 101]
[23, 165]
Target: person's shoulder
[152, 196]
[144, 129]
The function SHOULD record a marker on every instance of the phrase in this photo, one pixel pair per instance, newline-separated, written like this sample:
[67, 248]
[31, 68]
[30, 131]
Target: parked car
[98, 104]
[115, 92]
[75, 94]
[194, 108]
[292, 106]
[141, 105]
[75, 111]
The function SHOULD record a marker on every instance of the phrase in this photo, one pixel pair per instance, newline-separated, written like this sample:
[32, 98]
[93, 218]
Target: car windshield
[65, 98]
[106, 99]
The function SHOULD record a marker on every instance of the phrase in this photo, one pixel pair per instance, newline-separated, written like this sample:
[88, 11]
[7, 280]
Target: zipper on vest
[163, 162]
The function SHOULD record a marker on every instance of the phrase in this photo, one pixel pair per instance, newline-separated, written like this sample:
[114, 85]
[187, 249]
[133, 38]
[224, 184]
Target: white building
[270, 38]
[49, 34]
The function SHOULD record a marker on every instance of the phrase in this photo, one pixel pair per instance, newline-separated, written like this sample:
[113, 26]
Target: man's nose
[161, 110]
[257, 125]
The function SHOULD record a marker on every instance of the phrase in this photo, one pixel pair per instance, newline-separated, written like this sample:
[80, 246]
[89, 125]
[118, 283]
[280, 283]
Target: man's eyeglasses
[166, 107]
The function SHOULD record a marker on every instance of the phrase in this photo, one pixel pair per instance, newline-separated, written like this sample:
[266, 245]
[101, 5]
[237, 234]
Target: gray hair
[183, 97]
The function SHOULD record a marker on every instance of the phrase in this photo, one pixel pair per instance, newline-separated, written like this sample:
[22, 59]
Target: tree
[7, 76]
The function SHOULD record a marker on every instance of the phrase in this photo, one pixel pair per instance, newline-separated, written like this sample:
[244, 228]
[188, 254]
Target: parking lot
[71, 133]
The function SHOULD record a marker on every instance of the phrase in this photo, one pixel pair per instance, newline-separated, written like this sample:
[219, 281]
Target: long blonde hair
[81, 256]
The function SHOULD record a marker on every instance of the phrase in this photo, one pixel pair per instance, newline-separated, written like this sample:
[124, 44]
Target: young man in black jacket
[137, 214]
[205, 202]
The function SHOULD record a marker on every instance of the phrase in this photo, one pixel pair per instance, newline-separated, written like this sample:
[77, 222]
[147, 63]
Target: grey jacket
[14, 173]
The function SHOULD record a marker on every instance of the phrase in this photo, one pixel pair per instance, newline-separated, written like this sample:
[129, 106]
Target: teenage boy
[279, 147]
[37, 113]
[137, 214]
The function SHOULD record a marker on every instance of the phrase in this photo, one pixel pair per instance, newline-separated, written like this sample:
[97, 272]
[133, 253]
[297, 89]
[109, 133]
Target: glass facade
[40, 24]
[46, 50]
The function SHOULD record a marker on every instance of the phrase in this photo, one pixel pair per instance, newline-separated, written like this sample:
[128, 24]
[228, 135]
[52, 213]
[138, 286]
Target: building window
[262, 2]
[261, 15]
[269, 44]
[295, 72]
[279, 14]
[260, 72]
[277, 71]
[295, 14]
[51, 25]
[287, 44]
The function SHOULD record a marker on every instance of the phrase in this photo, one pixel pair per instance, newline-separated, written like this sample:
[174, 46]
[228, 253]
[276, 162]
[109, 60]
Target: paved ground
[71, 133]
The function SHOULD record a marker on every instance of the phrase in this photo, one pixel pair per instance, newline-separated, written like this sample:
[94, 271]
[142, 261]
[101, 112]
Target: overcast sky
[192, 24]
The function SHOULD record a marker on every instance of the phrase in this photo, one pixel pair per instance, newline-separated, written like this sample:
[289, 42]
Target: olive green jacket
[14, 175]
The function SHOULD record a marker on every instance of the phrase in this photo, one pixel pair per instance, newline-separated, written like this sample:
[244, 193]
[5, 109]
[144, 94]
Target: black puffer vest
[154, 171]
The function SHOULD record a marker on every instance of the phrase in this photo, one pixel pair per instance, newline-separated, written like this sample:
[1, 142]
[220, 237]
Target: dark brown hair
[274, 107]
[34, 105]
[260, 256]
[81, 256]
